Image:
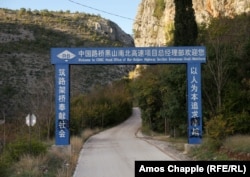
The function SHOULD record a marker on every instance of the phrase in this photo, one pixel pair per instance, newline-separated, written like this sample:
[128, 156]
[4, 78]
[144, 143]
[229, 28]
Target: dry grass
[30, 165]
[76, 146]
[238, 143]
[88, 132]
[236, 147]
[58, 162]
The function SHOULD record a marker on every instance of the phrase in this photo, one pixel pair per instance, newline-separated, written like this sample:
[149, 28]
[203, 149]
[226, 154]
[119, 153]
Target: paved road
[112, 153]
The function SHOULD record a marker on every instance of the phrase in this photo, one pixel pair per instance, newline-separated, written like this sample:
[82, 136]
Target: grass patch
[235, 147]
[176, 142]
[208, 150]
[56, 162]
[38, 166]
[238, 143]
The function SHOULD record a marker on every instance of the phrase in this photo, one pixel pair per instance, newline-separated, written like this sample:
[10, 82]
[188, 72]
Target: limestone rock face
[111, 30]
[152, 30]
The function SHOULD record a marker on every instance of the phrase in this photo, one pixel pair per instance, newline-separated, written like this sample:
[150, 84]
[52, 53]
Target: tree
[40, 101]
[186, 30]
[227, 64]
[7, 101]
[147, 92]
[226, 73]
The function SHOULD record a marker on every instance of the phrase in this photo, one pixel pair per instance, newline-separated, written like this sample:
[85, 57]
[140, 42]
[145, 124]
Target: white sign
[31, 120]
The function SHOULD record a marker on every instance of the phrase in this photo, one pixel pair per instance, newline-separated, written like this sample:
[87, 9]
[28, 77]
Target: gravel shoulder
[164, 146]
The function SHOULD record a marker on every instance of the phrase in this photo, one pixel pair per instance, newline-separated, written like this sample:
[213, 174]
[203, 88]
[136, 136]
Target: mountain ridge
[26, 38]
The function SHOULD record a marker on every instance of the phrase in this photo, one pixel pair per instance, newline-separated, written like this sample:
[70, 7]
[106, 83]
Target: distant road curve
[112, 153]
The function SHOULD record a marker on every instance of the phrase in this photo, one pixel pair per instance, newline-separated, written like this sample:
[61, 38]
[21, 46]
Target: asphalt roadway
[113, 152]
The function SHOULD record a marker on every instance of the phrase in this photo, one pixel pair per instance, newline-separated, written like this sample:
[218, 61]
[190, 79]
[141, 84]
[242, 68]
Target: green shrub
[3, 168]
[208, 150]
[21, 147]
[218, 128]
[241, 123]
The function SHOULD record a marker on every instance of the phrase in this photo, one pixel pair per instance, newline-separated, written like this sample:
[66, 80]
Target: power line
[113, 14]
[99, 10]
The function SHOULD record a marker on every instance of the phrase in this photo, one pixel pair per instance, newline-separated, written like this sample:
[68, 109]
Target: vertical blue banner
[194, 103]
[62, 104]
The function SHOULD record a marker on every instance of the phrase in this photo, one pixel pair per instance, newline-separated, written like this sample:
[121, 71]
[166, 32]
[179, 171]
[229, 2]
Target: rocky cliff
[26, 38]
[154, 28]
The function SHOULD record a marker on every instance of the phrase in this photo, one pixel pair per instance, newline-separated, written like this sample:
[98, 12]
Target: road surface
[112, 153]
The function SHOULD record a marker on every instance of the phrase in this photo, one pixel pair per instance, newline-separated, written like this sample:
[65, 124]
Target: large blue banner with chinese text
[128, 55]
[192, 56]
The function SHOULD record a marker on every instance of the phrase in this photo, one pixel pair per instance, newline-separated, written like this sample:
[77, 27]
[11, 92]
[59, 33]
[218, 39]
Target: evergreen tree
[186, 30]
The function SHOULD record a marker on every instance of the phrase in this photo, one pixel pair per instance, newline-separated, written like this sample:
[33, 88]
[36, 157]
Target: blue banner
[129, 55]
[62, 104]
[193, 56]
[194, 103]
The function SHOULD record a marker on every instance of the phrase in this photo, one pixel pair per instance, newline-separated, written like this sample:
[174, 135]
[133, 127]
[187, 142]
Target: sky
[122, 12]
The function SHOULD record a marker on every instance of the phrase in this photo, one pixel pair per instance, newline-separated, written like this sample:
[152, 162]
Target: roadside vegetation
[52, 163]
[27, 86]
[33, 154]
[235, 147]
[161, 92]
